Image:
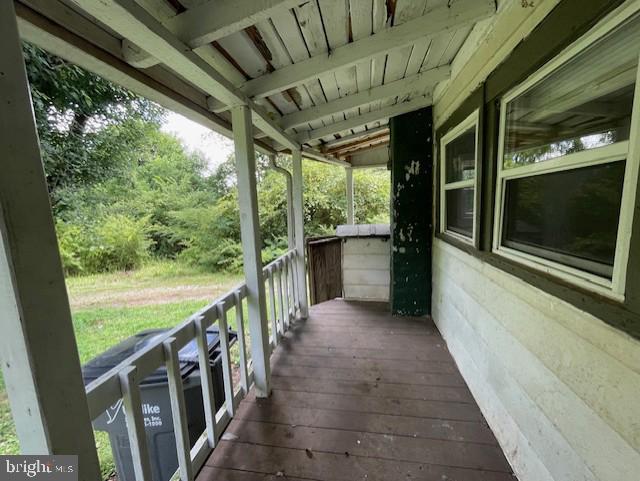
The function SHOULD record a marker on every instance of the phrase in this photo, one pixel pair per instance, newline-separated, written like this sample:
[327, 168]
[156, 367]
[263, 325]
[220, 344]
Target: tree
[71, 107]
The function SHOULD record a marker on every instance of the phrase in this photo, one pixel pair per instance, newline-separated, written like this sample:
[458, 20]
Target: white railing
[123, 381]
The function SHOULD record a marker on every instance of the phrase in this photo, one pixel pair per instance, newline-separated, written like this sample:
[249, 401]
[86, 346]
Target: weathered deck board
[378, 399]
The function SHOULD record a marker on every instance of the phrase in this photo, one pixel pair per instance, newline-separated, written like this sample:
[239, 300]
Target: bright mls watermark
[50, 468]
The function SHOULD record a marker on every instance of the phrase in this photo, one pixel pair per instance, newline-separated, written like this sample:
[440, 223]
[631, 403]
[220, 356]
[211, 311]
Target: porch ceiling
[314, 72]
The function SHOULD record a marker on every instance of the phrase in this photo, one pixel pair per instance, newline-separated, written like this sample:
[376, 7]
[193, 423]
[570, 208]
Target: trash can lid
[188, 355]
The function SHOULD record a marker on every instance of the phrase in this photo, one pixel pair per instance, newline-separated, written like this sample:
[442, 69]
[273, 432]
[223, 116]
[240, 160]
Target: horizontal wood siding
[559, 387]
[365, 268]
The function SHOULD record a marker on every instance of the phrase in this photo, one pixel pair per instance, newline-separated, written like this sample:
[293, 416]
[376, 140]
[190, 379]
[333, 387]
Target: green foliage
[123, 191]
[187, 215]
[71, 245]
[71, 107]
[119, 243]
[116, 242]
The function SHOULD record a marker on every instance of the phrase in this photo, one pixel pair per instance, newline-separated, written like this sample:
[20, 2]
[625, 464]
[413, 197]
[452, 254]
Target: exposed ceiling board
[438, 21]
[310, 24]
[133, 22]
[355, 137]
[378, 62]
[92, 52]
[373, 157]
[354, 148]
[245, 53]
[287, 30]
[362, 26]
[382, 114]
[278, 58]
[162, 11]
[335, 19]
[217, 19]
[416, 83]
[396, 65]
[323, 93]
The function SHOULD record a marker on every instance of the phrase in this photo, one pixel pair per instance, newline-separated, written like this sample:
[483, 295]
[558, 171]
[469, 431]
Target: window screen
[569, 216]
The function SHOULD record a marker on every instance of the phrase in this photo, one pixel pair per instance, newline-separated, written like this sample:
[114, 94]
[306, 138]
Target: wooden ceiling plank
[378, 62]
[355, 137]
[382, 114]
[245, 53]
[361, 13]
[217, 19]
[310, 23]
[419, 82]
[287, 29]
[65, 33]
[433, 23]
[335, 17]
[280, 57]
[396, 67]
[133, 22]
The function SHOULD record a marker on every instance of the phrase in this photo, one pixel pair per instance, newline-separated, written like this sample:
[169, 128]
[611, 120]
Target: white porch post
[289, 184]
[298, 219]
[251, 248]
[37, 345]
[350, 206]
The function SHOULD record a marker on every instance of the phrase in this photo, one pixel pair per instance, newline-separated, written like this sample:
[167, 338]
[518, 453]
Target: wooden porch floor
[360, 395]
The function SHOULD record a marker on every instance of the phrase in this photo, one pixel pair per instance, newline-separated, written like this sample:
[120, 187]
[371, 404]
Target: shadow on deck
[359, 394]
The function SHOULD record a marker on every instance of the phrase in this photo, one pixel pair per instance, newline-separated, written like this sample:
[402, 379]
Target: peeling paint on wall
[411, 168]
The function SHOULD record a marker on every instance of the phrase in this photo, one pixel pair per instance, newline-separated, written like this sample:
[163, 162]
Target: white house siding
[559, 387]
[365, 268]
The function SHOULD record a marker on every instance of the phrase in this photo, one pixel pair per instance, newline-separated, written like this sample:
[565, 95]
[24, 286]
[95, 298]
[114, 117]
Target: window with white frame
[567, 162]
[459, 152]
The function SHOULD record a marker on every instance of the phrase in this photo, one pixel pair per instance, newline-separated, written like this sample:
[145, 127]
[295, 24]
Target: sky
[214, 147]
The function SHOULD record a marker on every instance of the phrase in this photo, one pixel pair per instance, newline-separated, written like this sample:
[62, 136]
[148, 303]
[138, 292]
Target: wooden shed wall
[365, 265]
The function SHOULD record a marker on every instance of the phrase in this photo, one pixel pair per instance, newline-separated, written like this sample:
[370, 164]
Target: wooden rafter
[347, 149]
[216, 19]
[136, 24]
[415, 83]
[384, 113]
[357, 137]
[433, 23]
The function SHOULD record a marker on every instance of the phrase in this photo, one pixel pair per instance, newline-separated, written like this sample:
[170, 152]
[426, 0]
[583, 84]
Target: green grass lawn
[101, 326]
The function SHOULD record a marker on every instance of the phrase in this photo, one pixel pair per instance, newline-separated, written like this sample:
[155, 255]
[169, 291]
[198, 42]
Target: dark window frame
[565, 24]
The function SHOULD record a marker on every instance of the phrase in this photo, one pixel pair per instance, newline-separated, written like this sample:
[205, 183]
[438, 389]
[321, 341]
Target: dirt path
[145, 296]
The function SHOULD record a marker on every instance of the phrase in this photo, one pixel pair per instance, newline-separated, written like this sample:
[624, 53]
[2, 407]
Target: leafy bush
[116, 242]
[70, 242]
[119, 243]
[273, 249]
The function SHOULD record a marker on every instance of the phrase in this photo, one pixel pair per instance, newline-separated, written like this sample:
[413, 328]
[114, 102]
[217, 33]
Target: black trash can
[156, 404]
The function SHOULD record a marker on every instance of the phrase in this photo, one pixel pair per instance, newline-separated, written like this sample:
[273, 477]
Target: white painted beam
[374, 157]
[133, 22]
[52, 27]
[135, 56]
[350, 205]
[204, 23]
[298, 220]
[38, 350]
[415, 83]
[385, 113]
[251, 249]
[216, 19]
[289, 182]
[433, 23]
[320, 157]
